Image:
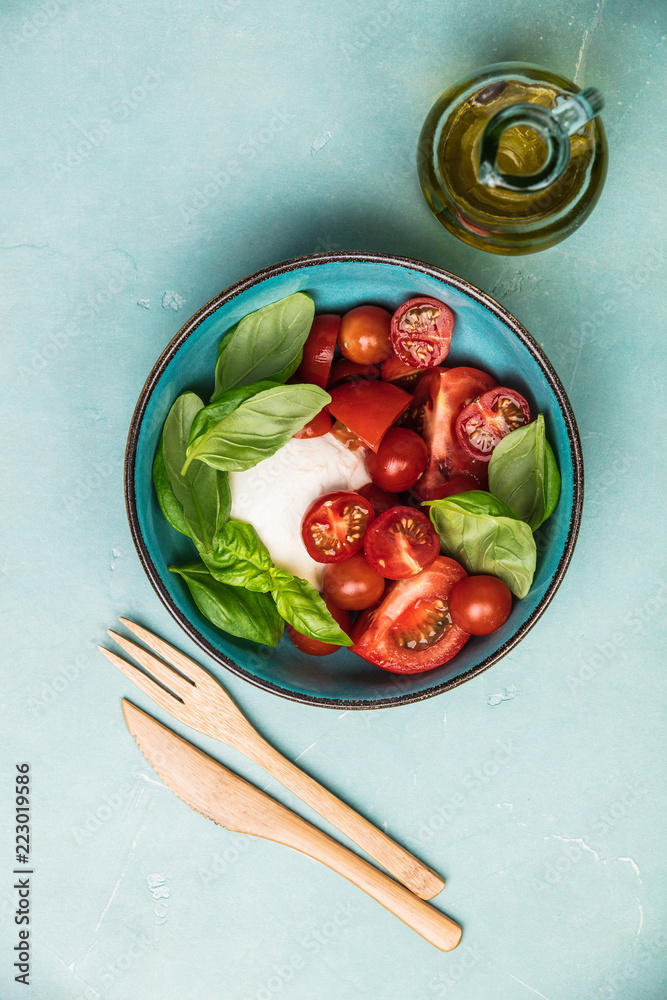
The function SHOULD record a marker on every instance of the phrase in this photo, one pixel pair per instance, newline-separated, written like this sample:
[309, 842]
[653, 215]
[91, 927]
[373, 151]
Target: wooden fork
[198, 699]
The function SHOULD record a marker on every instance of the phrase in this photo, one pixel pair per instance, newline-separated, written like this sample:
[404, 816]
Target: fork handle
[412, 872]
[286, 827]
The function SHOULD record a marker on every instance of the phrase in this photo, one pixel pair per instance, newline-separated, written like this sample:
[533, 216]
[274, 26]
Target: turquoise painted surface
[153, 155]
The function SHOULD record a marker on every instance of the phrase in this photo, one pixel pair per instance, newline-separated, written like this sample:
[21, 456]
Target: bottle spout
[554, 126]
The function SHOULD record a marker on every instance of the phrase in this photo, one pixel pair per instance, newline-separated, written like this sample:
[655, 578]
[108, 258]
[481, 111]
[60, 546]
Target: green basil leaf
[551, 481]
[484, 543]
[302, 607]
[289, 369]
[169, 505]
[257, 428]
[235, 610]
[518, 473]
[241, 558]
[479, 502]
[202, 492]
[264, 342]
[212, 414]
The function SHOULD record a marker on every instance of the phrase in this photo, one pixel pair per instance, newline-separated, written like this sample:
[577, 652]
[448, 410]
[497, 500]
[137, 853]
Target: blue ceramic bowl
[485, 336]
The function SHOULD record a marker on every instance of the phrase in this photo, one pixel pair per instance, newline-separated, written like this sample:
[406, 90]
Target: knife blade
[215, 792]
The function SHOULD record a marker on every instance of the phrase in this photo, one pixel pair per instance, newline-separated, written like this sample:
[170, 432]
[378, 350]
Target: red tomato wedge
[346, 437]
[318, 351]
[395, 370]
[454, 486]
[368, 408]
[334, 525]
[421, 332]
[439, 397]
[400, 543]
[411, 629]
[487, 420]
[319, 425]
[350, 371]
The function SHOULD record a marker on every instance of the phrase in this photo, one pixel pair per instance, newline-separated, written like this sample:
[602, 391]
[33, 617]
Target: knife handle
[412, 872]
[293, 831]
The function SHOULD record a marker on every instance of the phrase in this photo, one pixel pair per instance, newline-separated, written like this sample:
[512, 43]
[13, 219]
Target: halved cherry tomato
[400, 543]
[314, 646]
[396, 371]
[318, 351]
[381, 500]
[480, 604]
[484, 422]
[350, 371]
[368, 408]
[439, 397]
[421, 331]
[411, 630]
[352, 584]
[399, 461]
[319, 425]
[454, 486]
[334, 525]
[365, 335]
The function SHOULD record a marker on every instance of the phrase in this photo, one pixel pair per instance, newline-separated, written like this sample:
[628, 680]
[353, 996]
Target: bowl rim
[313, 260]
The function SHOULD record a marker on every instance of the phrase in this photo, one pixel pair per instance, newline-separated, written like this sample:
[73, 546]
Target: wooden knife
[229, 800]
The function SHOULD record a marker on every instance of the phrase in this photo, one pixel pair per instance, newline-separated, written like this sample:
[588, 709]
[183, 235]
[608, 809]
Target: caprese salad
[343, 483]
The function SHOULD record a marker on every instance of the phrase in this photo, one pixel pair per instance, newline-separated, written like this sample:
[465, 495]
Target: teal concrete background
[153, 153]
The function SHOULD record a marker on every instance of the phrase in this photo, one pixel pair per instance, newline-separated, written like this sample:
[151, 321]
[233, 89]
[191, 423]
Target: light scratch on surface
[590, 30]
[577, 840]
[536, 992]
[122, 876]
[306, 750]
[634, 865]
[110, 900]
[62, 961]
[152, 781]
[320, 143]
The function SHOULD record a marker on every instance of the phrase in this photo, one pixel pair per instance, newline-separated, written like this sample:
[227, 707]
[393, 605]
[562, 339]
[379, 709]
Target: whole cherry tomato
[480, 604]
[365, 335]
[399, 461]
[352, 584]
[314, 646]
[381, 500]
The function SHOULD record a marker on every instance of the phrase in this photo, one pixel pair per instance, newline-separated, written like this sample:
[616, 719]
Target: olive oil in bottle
[513, 158]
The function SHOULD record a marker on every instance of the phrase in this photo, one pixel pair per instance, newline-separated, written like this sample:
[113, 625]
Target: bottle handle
[554, 126]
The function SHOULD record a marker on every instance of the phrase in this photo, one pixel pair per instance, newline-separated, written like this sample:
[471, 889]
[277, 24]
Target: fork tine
[164, 699]
[187, 667]
[160, 671]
